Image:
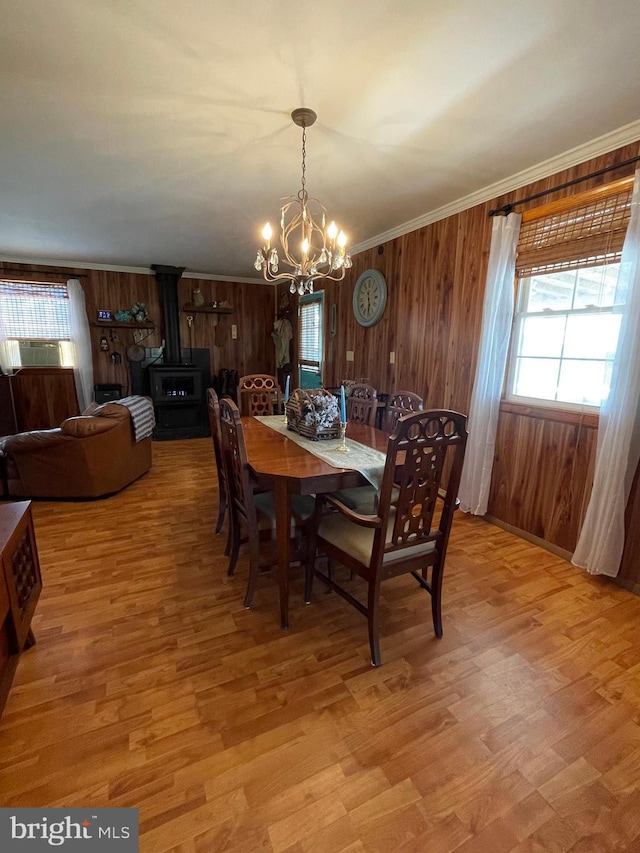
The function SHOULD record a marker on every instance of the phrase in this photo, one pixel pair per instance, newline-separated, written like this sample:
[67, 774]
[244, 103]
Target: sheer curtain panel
[497, 317]
[81, 339]
[601, 542]
[5, 355]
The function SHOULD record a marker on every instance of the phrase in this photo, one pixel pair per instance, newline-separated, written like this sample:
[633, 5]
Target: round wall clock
[369, 297]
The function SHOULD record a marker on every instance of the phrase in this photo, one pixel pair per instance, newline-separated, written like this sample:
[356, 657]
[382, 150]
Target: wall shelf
[205, 309]
[113, 324]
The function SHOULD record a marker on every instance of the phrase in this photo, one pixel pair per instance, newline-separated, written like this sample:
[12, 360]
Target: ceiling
[155, 131]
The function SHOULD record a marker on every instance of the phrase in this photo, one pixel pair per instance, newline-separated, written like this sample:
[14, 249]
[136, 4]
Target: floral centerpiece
[313, 413]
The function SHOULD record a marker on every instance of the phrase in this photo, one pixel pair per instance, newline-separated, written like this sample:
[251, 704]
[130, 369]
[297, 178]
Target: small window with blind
[35, 319]
[310, 340]
[568, 301]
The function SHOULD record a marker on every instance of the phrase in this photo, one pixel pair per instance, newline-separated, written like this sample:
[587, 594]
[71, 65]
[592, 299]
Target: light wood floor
[151, 686]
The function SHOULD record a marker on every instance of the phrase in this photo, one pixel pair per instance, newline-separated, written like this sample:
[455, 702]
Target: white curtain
[5, 352]
[601, 542]
[81, 339]
[497, 318]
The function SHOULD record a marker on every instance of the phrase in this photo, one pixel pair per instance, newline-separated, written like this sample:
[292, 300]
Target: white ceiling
[158, 131]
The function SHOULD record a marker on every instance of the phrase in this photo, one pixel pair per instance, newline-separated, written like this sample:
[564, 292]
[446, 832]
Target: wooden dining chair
[406, 534]
[254, 513]
[362, 404]
[213, 407]
[259, 394]
[399, 404]
[349, 383]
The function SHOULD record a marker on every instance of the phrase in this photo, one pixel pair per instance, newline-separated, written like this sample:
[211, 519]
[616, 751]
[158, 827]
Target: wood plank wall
[43, 397]
[253, 351]
[435, 278]
[253, 311]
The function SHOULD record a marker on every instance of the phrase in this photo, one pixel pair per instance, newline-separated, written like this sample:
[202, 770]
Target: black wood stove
[176, 386]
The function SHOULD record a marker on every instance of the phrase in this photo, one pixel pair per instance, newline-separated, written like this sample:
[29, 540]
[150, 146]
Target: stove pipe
[168, 278]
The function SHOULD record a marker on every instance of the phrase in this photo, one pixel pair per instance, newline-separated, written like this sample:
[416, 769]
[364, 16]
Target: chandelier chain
[304, 158]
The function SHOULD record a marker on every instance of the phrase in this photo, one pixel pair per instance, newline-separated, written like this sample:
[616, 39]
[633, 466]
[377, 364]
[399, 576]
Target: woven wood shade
[582, 231]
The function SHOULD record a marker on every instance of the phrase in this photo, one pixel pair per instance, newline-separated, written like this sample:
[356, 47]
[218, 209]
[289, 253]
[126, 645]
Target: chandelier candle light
[322, 247]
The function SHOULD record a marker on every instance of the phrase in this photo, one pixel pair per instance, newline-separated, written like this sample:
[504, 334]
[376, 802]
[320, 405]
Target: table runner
[369, 462]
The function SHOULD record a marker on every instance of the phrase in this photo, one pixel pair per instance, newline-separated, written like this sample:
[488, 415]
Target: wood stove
[177, 394]
[176, 387]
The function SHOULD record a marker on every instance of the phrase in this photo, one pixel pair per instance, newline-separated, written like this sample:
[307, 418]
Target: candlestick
[343, 431]
[287, 386]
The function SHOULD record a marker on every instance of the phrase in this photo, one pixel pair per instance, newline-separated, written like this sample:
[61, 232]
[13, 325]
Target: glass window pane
[542, 336]
[537, 377]
[553, 291]
[592, 336]
[584, 381]
[564, 350]
[597, 286]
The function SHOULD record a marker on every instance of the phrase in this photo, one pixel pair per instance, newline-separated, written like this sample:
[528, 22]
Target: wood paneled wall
[542, 471]
[43, 397]
[253, 351]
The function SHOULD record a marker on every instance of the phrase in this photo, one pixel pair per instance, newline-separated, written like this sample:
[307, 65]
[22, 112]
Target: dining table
[289, 467]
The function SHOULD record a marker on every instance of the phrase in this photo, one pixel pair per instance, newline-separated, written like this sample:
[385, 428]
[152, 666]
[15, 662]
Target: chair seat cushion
[363, 499]
[358, 541]
[302, 507]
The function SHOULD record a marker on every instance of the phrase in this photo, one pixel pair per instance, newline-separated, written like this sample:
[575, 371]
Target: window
[566, 333]
[310, 340]
[568, 306]
[36, 323]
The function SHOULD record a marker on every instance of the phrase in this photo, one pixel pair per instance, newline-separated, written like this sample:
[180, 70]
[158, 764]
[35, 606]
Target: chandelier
[321, 248]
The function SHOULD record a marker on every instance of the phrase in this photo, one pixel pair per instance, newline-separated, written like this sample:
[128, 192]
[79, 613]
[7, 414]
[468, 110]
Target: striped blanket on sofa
[142, 415]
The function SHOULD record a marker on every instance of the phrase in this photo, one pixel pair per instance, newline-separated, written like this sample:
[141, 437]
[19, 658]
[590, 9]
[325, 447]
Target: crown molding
[587, 151]
[209, 276]
[87, 265]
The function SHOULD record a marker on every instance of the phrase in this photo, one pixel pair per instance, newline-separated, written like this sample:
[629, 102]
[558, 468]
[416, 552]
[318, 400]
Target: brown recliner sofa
[89, 456]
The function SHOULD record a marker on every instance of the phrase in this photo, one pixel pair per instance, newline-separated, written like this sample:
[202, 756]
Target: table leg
[283, 533]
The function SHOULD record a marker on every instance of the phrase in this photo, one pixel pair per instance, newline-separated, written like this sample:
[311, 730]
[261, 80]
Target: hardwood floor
[151, 686]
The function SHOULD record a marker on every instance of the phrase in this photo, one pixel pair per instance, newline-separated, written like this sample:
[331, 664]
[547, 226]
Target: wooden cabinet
[20, 586]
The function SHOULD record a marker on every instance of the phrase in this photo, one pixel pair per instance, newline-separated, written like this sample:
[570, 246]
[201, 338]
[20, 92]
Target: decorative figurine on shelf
[123, 316]
[139, 312]
[197, 299]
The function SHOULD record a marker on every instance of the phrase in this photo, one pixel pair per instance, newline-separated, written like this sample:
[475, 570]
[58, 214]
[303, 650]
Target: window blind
[35, 311]
[310, 345]
[584, 230]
